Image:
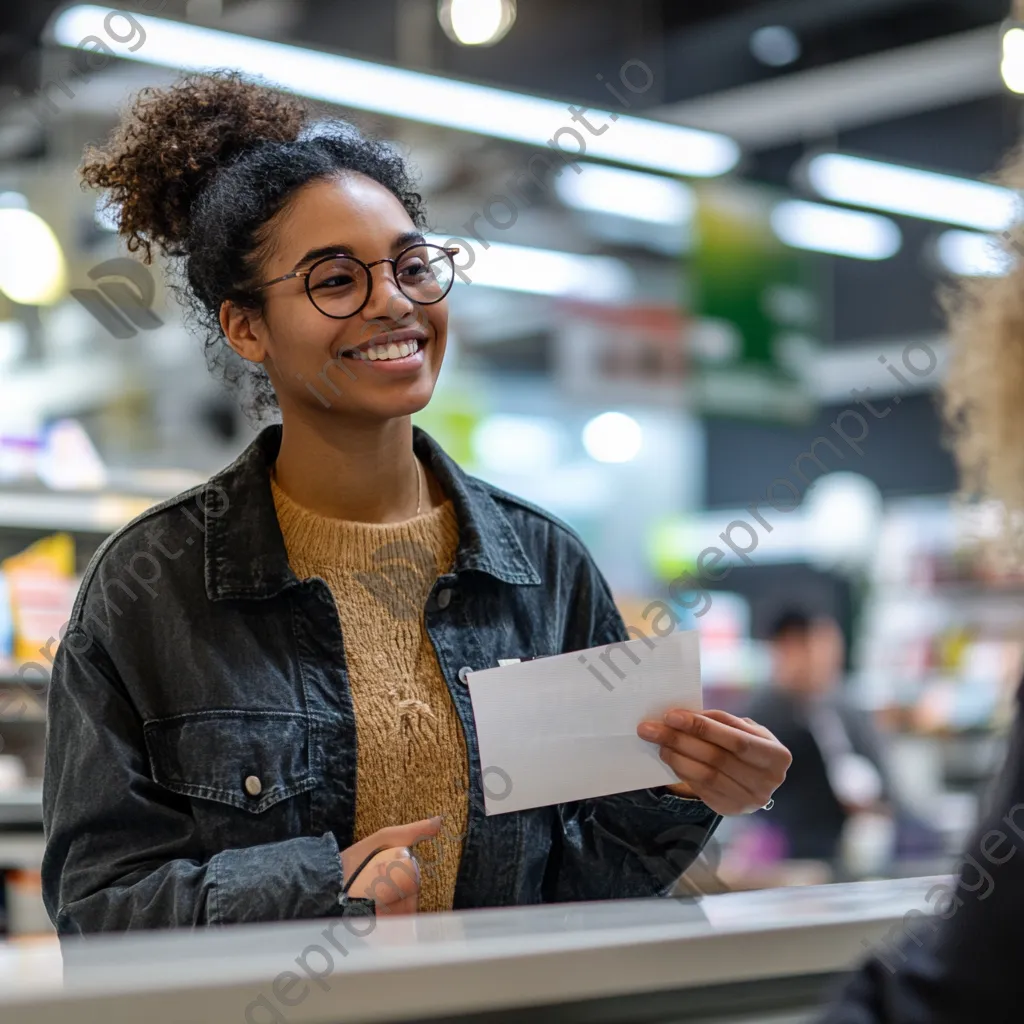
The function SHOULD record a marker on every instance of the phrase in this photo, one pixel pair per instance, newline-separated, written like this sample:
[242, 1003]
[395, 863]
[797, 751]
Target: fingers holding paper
[733, 764]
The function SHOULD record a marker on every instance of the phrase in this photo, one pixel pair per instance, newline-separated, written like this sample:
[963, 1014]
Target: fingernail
[678, 719]
[647, 731]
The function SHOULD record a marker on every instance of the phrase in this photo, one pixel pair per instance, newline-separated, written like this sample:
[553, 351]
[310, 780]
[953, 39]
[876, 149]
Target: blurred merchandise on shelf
[6, 621]
[41, 585]
[26, 914]
[19, 455]
[60, 455]
[730, 658]
[622, 354]
[942, 631]
[69, 460]
[12, 773]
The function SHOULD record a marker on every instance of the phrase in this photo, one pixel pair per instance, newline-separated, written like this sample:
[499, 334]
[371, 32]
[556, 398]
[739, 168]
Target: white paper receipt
[563, 728]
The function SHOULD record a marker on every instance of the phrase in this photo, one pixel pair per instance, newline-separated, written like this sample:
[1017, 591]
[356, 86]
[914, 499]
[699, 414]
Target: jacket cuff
[688, 805]
[296, 879]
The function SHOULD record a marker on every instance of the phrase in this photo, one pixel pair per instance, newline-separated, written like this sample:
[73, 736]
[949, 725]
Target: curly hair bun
[172, 142]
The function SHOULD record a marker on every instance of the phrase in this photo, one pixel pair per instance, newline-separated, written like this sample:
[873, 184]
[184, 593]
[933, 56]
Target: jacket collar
[245, 552]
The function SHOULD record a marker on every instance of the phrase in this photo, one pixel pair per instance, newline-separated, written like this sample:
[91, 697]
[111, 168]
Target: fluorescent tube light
[521, 268]
[828, 229]
[911, 192]
[1013, 58]
[634, 194]
[969, 254]
[415, 96]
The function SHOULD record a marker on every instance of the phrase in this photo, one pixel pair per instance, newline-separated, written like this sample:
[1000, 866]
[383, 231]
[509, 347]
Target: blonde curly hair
[983, 399]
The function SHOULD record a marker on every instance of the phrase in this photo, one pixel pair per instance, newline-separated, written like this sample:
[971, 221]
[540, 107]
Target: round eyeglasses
[340, 286]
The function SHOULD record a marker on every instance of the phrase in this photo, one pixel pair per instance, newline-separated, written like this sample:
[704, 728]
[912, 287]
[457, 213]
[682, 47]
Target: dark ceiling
[695, 47]
[559, 46]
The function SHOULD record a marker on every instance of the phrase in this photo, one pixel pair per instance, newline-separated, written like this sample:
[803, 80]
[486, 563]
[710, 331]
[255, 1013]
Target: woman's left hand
[733, 764]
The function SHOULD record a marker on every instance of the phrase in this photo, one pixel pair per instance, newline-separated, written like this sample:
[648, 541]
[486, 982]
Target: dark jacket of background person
[806, 808]
[195, 659]
[965, 965]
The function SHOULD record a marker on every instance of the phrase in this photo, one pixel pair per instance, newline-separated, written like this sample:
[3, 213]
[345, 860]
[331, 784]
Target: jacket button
[253, 786]
[444, 598]
[463, 672]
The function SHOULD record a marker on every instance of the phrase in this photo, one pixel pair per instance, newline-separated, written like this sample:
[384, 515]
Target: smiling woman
[273, 733]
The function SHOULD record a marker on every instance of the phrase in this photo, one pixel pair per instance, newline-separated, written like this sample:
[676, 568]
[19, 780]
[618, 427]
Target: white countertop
[457, 962]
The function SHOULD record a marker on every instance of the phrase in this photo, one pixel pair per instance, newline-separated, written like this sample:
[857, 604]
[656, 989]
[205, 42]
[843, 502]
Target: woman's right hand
[392, 878]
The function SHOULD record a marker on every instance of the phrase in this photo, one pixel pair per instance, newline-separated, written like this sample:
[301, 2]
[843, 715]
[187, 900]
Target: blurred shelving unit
[44, 511]
[22, 807]
[29, 512]
[940, 650]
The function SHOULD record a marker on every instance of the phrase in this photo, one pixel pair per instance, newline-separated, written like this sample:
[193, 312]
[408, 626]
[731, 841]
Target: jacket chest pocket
[248, 775]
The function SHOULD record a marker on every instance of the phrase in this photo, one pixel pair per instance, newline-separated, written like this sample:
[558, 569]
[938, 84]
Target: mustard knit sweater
[411, 751]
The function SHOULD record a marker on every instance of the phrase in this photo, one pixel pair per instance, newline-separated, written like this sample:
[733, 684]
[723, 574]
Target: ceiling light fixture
[914, 193]
[521, 268]
[776, 46]
[1013, 49]
[633, 194]
[428, 99]
[970, 254]
[476, 22]
[32, 269]
[828, 229]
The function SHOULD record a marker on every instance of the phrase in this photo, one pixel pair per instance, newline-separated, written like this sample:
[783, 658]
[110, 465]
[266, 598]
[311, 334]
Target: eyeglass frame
[449, 251]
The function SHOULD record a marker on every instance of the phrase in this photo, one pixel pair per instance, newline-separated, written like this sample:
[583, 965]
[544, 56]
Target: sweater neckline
[284, 501]
[427, 541]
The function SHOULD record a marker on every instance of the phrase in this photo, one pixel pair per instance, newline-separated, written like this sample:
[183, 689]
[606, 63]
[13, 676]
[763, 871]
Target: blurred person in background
[285, 715]
[838, 767]
[838, 804]
[963, 964]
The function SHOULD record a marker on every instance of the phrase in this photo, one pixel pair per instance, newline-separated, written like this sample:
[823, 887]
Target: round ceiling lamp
[476, 22]
[776, 46]
[32, 270]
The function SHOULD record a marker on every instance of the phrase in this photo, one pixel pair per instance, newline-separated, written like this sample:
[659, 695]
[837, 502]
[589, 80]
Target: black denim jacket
[201, 747]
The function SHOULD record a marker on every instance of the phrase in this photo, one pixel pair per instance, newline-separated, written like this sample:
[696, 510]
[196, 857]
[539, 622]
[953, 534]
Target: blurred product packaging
[60, 455]
[41, 585]
[19, 454]
[26, 914]
[6, 621]
[12, 773]
[68, 460]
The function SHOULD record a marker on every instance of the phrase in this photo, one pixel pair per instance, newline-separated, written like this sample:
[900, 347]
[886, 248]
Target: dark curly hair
[199, 169]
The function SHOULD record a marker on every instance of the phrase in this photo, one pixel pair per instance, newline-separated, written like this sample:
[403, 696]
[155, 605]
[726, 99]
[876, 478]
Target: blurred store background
[697, 318]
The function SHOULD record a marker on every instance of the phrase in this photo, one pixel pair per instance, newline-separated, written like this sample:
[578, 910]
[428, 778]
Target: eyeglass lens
[339, 286]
